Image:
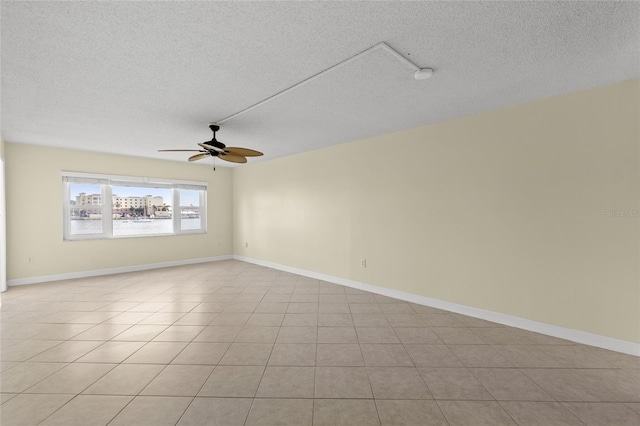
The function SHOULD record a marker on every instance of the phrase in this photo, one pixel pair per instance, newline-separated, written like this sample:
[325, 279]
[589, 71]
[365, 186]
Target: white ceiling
[134, 77]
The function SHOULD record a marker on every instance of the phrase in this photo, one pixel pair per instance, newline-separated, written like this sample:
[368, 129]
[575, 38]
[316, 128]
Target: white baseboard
[118, 270]
[577, 336]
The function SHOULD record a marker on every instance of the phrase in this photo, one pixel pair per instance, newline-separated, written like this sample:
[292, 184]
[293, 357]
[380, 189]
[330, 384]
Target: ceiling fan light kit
[217, 149]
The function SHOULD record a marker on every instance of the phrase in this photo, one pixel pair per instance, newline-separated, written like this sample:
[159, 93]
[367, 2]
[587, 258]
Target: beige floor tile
[603, 413]
[233, 381]
[201, 353]
[510, 384]
[27, 374]
[540, 413]
[26, 349]
[397, 383]
[258, 335]
[432, 356]
[216, 412]
[218, 333]
[526, 356]
[196, 318]
[304, 298]
[337, 335]
[345, 412]
[333, 308]
[614, 385]
[300, 320]
[417, 336]
[564, 385]
[476, 413]
[237, 306]
[302, 308]
[67, 351]
[281, 412]
[287, 382]
[479, 356]
[88, 410]
[130, 318]
[370, 320]
[385, 355]
[271, 308]
[405, 320]
[393, 307]
[247, 354]
[125, 379]
[102, 332]
[265, 320]
[277, 326]
[453, 384]
[60, 331]
[342, 382]
[140, 333]
[457, 336]
[93, 317]
[6, 365]
[162, 318]
[339, 354]
[72, 379]
[377, 335]
[178, 380]
[410, 413]
[335, 320]
[332, 298]
[209, 307]
[4, 397]
[365, 308]
[148, 307]
[179, 333]
[31, 409]
[297, 335]
[293, 354]
[228, 318]
[156, 353]
[273, 297]
[152, 410]
[361, 298]
[181, 306]
[112, 352]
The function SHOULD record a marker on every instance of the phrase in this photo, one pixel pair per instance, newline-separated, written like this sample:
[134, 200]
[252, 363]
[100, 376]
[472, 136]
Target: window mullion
[177, 211]
[107, 211]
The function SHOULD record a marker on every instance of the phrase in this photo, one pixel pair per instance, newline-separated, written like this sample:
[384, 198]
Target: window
[101, 206]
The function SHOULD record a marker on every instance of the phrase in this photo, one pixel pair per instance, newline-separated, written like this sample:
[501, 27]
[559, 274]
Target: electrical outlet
[246, 245]
[364, 263]
[30, 259]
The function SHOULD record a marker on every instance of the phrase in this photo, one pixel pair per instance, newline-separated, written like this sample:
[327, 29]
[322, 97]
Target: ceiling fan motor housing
[214, 142]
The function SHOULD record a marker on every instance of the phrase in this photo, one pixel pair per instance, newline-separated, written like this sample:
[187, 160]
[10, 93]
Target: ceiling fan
[216, 149]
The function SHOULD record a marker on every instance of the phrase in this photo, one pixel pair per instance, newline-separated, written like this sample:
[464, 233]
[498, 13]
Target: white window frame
[106, 183]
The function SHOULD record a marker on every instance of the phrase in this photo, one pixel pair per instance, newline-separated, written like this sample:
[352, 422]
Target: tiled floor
[231, 343]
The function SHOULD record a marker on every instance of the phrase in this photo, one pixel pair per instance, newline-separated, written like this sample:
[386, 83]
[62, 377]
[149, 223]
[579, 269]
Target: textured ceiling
[133, 77]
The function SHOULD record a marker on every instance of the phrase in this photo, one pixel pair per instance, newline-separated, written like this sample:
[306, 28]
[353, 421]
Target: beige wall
[504, 211]
[34, 214]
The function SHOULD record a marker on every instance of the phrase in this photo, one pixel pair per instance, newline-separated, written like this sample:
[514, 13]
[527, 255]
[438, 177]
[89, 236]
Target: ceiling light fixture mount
[423, 73]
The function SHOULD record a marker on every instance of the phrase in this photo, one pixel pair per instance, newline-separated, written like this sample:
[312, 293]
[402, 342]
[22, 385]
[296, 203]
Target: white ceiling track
[419, 74]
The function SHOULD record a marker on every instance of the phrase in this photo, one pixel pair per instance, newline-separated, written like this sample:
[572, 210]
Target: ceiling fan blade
[233, 158]
[167, 150]
[245, 152]
[210, 147]
[199, 156]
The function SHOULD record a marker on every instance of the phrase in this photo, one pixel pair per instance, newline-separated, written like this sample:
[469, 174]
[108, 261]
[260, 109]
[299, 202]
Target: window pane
[189, 198]
[85, 221]
[141, 211]
[83, 194]
[190, 219]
